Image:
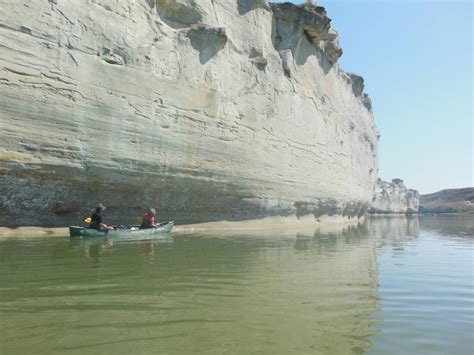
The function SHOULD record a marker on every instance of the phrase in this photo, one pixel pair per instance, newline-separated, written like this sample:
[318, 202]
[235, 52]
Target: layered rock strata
[394, 197]
[205, 109]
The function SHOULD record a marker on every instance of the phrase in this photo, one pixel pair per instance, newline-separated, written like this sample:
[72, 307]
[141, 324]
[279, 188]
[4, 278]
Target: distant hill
[448, 201]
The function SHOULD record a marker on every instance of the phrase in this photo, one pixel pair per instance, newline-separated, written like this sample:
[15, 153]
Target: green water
[393, 286]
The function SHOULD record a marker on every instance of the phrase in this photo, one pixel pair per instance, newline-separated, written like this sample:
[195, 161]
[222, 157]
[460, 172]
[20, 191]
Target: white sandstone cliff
[394, 197]
[205, 109]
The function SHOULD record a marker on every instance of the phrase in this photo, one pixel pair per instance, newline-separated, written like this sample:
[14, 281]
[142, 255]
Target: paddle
[89, 219]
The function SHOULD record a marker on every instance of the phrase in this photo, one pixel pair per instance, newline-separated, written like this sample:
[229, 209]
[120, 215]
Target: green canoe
[133, 232]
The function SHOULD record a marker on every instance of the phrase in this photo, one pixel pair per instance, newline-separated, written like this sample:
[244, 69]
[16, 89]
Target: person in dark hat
[97, 219]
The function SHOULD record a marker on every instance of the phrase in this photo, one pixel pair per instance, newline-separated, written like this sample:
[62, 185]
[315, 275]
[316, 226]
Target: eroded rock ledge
[205, 109]
[394, 197]
[294, 21]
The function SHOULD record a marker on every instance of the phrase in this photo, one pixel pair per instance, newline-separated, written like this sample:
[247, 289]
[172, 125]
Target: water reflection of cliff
[393, 229]
[340, 264]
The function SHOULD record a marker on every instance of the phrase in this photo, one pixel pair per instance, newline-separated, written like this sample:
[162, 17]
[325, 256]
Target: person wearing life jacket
[149, 219]
[97, 219]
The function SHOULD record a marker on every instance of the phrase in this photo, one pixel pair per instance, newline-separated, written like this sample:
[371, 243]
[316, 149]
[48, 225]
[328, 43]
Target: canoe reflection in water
[97, 247]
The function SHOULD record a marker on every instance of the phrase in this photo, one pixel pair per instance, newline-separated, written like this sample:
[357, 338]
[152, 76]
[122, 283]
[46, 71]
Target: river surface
[391, 286]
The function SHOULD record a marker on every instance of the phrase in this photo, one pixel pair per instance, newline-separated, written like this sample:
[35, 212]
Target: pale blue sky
[416, 58]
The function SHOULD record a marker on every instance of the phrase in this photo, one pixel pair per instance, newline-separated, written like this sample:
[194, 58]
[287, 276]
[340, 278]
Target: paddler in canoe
[148, 219]
[97, 227]
[97, 220]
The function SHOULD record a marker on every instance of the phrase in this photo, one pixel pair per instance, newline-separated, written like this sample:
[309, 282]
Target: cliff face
[394, 197]
[205, 109]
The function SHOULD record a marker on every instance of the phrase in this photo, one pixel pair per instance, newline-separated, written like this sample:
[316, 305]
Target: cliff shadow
[244, 6]
[61, 196]
[207, 40]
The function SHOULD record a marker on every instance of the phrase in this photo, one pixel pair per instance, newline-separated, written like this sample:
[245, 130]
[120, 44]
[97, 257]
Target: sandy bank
[273, 224]
[25, 232]
[269, 224]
